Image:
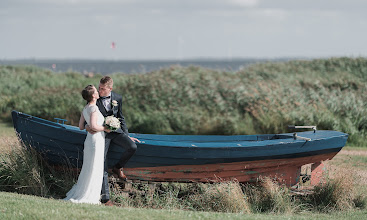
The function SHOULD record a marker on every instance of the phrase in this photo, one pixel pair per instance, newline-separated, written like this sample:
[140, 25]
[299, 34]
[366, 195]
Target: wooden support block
[128, 185]
[291, 175]
[317, 172]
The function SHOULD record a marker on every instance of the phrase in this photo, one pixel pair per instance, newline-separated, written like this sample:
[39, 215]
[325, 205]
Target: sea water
[136, 66]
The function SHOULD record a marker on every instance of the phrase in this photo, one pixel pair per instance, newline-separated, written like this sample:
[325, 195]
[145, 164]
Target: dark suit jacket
[116, 111]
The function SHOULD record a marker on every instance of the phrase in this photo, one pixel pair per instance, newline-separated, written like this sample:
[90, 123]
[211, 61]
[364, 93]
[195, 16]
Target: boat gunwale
[190, 144]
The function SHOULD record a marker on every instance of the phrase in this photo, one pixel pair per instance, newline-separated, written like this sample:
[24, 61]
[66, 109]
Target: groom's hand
[134, 139]
[90, 130]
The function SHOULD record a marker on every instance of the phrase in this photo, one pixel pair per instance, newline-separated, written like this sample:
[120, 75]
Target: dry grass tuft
[6, 143]
[269, 196]
[338, 192]
[24, 171]
[221, 197]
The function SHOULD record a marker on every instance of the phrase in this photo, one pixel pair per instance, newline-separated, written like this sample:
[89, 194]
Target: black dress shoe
[104, 201]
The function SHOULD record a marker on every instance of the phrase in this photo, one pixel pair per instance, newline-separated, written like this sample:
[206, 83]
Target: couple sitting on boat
[93, 178]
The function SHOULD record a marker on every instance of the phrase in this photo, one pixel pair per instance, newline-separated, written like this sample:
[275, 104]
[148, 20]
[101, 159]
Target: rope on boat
[296, 137]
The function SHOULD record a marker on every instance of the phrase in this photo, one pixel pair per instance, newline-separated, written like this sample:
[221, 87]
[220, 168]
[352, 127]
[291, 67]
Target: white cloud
[245, 3]
[154, 28]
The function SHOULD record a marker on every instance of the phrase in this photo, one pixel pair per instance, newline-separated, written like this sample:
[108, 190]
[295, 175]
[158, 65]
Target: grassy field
[16, 206]
[6, 129]
[350, 162]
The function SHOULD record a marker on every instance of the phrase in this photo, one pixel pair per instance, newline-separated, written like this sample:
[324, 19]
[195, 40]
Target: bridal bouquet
[112, 123]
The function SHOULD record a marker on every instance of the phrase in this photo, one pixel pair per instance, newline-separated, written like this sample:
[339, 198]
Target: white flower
[112, 123]
[114, 103]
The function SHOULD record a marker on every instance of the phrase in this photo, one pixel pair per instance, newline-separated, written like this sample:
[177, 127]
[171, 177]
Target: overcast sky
[182, 29]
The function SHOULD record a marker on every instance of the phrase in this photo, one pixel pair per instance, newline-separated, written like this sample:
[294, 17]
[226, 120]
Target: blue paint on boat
[63, 144]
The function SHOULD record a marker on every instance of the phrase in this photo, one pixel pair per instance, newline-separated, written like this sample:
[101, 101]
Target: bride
[88, 187]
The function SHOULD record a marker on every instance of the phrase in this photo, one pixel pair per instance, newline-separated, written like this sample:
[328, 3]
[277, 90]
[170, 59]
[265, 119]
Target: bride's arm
[81, 122]
[93, 123]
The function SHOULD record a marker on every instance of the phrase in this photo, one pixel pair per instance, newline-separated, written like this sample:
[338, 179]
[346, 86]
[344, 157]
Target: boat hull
[189, 158]
[286, 171]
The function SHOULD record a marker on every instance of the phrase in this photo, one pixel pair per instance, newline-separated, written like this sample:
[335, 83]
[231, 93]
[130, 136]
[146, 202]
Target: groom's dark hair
[87, 93]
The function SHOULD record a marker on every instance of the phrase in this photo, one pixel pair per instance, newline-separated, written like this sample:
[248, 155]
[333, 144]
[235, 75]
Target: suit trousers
[121, 140]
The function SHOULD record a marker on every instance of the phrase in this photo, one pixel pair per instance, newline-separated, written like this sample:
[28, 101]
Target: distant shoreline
[138, 66]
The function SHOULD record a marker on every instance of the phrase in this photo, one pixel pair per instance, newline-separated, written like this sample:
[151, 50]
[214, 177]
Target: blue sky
[172, 29]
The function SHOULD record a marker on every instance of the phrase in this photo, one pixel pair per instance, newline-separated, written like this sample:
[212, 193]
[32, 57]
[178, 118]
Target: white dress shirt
[107, 103]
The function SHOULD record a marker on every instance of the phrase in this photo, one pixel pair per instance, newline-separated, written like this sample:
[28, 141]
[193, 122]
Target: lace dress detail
[89, 185]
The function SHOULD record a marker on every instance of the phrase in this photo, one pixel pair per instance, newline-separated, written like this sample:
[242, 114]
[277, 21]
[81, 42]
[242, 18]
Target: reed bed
[263, 98]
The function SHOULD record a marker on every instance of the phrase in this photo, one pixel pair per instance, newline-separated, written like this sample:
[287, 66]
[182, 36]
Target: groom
[109, 103]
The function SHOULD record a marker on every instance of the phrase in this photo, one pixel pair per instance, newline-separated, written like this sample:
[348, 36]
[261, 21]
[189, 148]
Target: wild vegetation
[23, 171]
[263, 98]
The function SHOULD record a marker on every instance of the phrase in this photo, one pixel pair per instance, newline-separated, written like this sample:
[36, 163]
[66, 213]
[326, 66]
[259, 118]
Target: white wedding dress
[89, 185]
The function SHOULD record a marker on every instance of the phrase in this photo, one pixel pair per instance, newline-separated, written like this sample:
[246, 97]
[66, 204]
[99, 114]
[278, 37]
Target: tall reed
[23, 170]
[263, 98]
[220, 197]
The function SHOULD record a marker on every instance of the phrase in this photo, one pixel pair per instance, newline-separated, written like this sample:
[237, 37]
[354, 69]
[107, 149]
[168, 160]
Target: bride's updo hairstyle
[88, 92]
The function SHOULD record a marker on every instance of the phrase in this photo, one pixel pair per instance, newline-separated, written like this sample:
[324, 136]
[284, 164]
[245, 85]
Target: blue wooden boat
[190, 158]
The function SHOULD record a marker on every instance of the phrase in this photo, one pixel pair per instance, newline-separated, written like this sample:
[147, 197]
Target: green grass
[6, 129]
[355, 148]
[359, 160]
[6, 134]
[17, 206]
